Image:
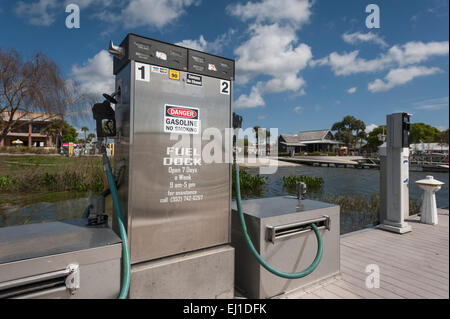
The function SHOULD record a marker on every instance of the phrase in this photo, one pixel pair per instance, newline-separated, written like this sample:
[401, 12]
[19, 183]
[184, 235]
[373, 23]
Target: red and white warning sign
[212, 67]
[181, 119]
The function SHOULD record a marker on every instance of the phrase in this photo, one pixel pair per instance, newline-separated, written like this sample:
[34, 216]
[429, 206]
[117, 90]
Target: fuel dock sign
[181, 119]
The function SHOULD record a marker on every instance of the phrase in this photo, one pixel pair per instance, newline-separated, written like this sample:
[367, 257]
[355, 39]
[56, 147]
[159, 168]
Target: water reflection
[337, 182]
[348, 181]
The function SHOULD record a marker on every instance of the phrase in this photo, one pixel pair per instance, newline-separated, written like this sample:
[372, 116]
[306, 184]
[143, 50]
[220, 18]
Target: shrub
[80, 176]
[251, 185]
[28, 150]
[8, 183]
[312, 183]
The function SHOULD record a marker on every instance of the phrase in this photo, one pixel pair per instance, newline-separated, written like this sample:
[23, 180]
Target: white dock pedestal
[429, 210]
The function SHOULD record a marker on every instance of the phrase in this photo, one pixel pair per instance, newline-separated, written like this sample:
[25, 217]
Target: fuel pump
[176, 204]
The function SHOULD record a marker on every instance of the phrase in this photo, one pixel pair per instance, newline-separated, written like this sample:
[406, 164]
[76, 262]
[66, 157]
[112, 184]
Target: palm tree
[256, 129]
[85, 129]
[54, 128]
[268, 142]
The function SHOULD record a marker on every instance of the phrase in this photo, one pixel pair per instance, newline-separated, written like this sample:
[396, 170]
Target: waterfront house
[308, 141]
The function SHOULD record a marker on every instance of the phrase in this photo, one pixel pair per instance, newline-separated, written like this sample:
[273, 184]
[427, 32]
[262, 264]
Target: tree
[32, 86]
[70, 134]
[85, 129]
[90, 137]
[345, 130]
[256, 130]
[418, 132]
[54, 128]
[373, 142]
[443, 138]
[423, 132]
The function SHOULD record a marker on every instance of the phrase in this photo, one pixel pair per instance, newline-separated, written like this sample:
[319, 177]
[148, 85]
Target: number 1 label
[142, 72]
[225, 87]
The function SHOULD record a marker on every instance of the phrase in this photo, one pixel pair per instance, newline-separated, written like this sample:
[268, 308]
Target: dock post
[394, 175]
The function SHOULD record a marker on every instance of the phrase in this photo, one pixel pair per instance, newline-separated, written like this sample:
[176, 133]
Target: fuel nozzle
[105, 116]
[96, 214]
[237, 124]
[301, 190]
[237, 121]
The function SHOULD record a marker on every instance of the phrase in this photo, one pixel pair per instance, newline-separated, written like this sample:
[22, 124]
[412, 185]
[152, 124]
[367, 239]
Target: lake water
[349, 181]
[337, 181]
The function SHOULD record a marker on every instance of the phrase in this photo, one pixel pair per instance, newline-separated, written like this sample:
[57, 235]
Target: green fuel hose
[263, 263]
[123, 233]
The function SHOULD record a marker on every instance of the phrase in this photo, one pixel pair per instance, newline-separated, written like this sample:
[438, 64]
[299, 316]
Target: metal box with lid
[175, 202]
[279, 229]
[59, 260]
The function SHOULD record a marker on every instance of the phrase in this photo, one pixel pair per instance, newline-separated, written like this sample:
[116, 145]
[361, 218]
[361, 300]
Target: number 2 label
[142, 72]
[225, 87]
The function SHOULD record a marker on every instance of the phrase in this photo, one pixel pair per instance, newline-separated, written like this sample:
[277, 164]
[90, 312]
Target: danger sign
[181, 119]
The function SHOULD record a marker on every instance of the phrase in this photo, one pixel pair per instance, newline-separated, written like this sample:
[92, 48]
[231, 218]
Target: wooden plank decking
[412, 266]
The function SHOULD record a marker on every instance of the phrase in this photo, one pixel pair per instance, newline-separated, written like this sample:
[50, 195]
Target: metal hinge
[73, 279]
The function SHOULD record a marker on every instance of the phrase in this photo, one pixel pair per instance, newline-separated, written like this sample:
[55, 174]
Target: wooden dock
[331, 161]
[412, 266]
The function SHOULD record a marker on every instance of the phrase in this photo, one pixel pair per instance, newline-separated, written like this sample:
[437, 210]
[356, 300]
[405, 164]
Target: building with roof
[27, 131]
[429, 147]
[308, 141]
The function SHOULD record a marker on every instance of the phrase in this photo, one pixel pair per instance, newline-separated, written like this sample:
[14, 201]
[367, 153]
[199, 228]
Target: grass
[359, 211]
[313, 184]
[50, 174]
[28, 150]
[251, 185]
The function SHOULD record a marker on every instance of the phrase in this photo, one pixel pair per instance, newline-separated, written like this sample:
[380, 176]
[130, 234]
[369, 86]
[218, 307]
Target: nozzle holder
[301, 189]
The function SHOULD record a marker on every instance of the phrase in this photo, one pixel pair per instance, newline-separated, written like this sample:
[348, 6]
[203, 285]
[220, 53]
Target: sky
[300, 64]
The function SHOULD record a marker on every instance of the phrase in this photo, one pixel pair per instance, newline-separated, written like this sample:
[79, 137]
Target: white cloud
[417, 52]
[287, 82]
[400, 76]
[350, 63]
[432, 104]
[96, 75]
[254, 99]
[38, 13]
[397, 56]
[214, 47]
[356, 37]
[294, 12]
[370, 128]
[152, 13]
[199, 44]
[272, 50]
[352, 90]
[86, 3]
[298, 109]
